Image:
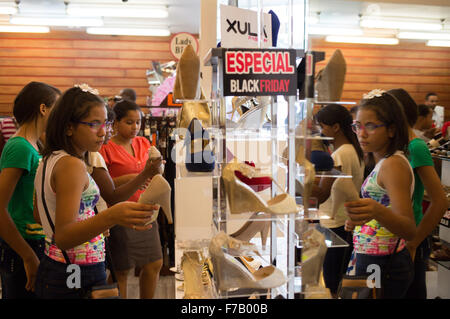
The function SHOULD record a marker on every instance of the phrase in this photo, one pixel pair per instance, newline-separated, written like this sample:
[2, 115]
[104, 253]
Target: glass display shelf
[445, 264]
[331, 239]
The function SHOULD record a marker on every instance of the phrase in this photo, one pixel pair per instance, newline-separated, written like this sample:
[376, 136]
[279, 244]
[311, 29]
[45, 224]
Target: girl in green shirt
[21, 238]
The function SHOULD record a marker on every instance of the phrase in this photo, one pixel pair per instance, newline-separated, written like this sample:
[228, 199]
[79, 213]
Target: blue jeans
[395, 281]
[12, 270]
[51, 280]
[418, 288]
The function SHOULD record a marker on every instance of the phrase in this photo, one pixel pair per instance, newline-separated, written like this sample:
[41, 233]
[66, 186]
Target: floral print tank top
[90, 252]
[372, 238]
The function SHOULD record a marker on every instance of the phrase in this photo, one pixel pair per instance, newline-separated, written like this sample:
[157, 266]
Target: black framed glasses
[95, 126]
[369, 127]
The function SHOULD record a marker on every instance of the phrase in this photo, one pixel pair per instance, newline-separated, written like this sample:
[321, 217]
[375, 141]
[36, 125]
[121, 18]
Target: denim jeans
[418, 288]
[51, 280]
[12, 270]
[395, 281]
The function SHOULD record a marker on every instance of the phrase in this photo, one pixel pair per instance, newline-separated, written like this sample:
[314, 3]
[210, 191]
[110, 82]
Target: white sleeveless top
[90, 252]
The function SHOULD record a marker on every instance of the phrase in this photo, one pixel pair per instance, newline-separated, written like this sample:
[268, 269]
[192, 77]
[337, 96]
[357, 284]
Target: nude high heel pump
[252, 227]
[343, 190]
[230, 273]
[158, 192]
[242, 198]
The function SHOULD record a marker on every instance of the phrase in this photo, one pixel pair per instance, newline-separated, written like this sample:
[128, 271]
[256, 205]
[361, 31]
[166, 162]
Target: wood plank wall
[410, 65]
[62, 59]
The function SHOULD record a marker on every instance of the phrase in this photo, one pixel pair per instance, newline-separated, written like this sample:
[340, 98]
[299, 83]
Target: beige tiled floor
[164, 290]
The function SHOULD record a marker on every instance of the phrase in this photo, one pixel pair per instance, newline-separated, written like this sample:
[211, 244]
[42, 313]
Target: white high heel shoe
[243, 199]
[230, 273]
[343, 190]
[158, 192]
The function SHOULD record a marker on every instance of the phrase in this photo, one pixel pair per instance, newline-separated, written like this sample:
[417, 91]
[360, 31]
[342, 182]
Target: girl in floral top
[75, 127]
[383, 217]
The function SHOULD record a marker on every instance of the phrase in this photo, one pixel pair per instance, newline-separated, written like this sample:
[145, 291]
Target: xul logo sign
[243, 28]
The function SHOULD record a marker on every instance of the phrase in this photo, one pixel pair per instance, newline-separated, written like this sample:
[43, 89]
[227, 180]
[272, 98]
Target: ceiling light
[118, 10]
[57, 21]
[365, 40]
[424, 35]
[156, 32]
[24, 29]
[382, 23]
[334, 31]
[8, 8]
[438, 43]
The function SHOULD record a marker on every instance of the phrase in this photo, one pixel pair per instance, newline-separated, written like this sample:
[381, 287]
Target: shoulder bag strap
[66, 257]
[108, 254]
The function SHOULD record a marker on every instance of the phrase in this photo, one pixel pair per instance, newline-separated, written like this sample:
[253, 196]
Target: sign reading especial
[251, 72]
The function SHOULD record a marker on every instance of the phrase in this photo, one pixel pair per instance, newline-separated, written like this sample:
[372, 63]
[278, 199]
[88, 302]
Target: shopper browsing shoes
[127, 154]
[384, 217]
[66, 195]
[425, 177]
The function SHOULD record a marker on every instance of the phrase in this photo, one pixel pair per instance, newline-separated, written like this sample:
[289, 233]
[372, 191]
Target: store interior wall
[64, 58]
[412, 65]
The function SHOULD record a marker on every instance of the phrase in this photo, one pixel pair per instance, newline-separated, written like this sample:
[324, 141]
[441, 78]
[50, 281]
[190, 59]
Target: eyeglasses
[369, 127]
[95, 126]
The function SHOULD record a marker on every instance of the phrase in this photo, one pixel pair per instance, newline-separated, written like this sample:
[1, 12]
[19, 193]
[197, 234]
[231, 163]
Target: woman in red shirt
[127, 154]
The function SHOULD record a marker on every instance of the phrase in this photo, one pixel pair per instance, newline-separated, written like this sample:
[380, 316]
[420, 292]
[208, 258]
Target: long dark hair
[74, 105]
[409, 105]
[337, 114]
[27, 102]
[122, 107]
[389, 111]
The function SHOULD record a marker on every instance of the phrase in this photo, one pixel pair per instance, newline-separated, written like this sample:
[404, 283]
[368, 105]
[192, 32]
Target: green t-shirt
[419, 156]
[19, 153]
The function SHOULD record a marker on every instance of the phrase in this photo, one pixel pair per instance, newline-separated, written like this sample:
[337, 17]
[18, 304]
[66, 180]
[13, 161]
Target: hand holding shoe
[363, 210]
[153, 166]
[131, 215]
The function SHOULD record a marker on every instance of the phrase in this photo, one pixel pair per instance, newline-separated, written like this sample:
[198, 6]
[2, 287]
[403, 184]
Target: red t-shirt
[120, 162]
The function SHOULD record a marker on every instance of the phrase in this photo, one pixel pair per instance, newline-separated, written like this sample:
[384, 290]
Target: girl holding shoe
[126, 153]
[384, 217]
[66, 195]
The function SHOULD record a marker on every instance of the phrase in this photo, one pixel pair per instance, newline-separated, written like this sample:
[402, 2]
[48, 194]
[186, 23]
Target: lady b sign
[181, 40]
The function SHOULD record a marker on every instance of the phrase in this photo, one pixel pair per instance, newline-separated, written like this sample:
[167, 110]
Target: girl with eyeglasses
[383, 219]
[21, 237]
[66, 195]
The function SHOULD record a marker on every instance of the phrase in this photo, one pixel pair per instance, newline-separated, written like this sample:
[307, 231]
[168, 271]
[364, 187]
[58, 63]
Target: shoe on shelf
[230, 273]
[192, 266]
[252, 227]
[243, 199]
[187, 82]
[330, 80]
[199, 153]
[257, 183]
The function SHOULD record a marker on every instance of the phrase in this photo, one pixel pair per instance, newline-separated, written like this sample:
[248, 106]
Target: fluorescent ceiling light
[24, 29]
[8, 8]
[365, 40]
[57, 21]
[438, 43]
[118, 10]
[381, 23]
[156, 32]
[334, 31]
[423, 36]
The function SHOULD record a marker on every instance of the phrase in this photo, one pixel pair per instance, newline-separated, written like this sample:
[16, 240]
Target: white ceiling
[184, 15]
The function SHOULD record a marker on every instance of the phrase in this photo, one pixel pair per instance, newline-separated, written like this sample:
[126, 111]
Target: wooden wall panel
[410, 65]
[62, 59]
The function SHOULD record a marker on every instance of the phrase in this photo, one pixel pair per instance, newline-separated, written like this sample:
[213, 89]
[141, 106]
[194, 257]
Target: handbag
[355, 287]
[96, 292]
